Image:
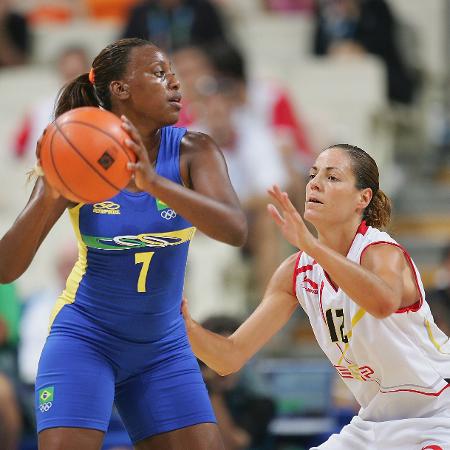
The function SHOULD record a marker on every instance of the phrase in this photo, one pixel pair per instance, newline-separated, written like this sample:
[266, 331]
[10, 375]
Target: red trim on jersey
[417, 305]
[362, 229]
[334, 286]
[295, 273]
[414, 391]
[320, 301]
[413, 308]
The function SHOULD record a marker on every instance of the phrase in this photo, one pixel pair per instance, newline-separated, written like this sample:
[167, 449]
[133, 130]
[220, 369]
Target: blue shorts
[78, 381]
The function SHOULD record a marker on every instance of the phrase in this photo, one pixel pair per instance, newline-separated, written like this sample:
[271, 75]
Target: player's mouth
[314, 200]
[175, 101]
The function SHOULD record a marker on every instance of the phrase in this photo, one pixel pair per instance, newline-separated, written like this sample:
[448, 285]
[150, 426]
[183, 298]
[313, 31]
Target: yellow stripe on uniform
[78, 271]
[433, 340]
[355, 319]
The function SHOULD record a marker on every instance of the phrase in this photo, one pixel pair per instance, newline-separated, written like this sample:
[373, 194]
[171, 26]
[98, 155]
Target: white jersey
[396, 367]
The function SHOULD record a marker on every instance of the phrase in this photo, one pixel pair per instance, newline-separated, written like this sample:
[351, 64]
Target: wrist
[152, 181]
[311, 246]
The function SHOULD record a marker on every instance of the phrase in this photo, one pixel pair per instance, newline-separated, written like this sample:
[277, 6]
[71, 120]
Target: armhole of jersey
[294, 274]
[178, 159]
[417, 305]
[168, 159]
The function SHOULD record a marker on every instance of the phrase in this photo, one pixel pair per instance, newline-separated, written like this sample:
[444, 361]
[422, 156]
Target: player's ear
[120, 90]
[365, 196]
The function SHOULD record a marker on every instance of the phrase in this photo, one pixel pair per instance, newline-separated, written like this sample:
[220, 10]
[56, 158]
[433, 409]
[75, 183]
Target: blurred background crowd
[273, 82]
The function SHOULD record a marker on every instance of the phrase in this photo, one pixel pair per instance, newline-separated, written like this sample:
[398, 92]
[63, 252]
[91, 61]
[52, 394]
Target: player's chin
[312, 216]
[171, 117]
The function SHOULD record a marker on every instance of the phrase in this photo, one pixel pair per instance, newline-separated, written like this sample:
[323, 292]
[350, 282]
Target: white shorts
[431, 433]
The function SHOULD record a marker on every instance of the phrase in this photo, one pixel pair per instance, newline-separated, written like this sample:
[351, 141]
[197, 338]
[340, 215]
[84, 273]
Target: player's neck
[339, 237]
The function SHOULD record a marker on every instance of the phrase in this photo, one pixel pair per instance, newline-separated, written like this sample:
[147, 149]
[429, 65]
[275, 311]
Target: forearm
[368, 290]
[220, 221]
[20, 243]
[216, 351]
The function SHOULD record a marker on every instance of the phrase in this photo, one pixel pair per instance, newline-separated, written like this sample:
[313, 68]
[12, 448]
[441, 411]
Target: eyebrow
[326, 168]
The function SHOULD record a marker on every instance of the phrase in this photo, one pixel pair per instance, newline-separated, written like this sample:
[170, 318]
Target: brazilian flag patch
[161, 205]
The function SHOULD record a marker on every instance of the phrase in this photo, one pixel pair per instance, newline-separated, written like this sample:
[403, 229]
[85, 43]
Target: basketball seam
[57, 171]
[104, 132]
[81, 155]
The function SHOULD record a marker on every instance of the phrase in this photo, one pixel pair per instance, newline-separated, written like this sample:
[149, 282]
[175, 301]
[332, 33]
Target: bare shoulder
[283, 277]
[383, 254]
[289, 262]
[195, 141]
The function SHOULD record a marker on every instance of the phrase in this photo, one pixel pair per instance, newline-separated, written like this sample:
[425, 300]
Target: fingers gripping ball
[83, 156]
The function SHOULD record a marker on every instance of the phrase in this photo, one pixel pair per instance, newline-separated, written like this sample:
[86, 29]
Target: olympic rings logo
[168, 214]
[45, 406]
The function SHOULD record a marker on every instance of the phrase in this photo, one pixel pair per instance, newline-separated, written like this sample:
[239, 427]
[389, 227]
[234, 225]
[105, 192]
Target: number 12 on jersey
[336, 316]
[144, 259]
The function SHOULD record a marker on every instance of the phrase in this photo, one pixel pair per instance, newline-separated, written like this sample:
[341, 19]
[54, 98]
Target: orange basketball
[83, 156]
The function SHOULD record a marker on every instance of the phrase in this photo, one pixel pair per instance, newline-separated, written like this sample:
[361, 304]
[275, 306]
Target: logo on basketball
[106, 160]
[168, 214]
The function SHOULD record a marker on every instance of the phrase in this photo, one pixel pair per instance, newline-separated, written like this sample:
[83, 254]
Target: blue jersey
[133, 249]
[117, 332]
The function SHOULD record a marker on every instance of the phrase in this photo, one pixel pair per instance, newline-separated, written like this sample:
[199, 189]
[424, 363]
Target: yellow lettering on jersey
[144, 259]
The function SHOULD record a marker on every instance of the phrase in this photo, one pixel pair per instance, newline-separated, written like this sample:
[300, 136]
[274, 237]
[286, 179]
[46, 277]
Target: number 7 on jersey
[144, 259]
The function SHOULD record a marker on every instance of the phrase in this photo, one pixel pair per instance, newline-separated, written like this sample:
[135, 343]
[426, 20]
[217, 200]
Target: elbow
[385, 308]
[6, 278]
[229, 369]
[234, 360]
[8, 274]
[238, 236]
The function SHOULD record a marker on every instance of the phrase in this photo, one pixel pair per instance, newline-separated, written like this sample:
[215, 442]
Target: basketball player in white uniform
[365, 301]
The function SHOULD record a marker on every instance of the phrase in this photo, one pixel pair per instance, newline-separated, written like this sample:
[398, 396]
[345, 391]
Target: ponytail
[93, 88]
[78, 92]
[378, 213]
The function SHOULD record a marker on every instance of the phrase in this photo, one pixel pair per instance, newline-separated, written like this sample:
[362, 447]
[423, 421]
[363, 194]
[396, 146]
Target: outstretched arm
[21, 242]
[208, 201]
[228, 354]
[382, 272]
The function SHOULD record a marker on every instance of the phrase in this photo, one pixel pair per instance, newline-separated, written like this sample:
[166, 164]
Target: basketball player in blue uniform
[116, 332]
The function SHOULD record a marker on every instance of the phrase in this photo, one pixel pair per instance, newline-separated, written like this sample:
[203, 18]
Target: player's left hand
[290, 221]
[143, 171]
